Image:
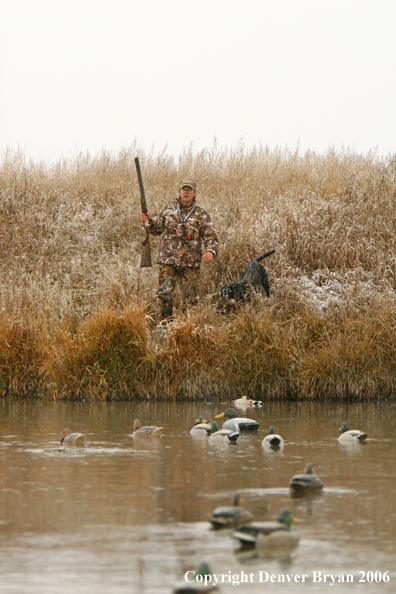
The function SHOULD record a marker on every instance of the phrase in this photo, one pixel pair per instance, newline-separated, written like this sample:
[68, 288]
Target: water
[124, 517]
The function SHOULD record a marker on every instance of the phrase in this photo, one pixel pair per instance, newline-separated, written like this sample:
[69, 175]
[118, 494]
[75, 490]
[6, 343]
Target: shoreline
[266, 352]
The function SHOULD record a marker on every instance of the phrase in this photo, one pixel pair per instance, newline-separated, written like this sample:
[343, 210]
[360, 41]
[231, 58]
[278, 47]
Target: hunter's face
[187, 195]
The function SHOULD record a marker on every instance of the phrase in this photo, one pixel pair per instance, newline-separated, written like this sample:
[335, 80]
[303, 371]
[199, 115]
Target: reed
[78, 314]
[102, 357]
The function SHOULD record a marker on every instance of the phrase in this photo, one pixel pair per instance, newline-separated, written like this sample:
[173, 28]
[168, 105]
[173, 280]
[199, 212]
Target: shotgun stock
[145, 261]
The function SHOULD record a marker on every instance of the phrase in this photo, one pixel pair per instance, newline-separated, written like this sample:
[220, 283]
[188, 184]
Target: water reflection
[281, 554]
[123, 515]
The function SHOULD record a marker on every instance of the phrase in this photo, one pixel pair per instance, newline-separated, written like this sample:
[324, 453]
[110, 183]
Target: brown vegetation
[78, 314]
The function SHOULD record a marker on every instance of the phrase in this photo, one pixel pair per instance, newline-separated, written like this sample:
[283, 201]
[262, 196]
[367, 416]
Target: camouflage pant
[188, 279]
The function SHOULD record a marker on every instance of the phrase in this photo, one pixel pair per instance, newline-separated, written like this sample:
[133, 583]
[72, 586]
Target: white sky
[81, 75]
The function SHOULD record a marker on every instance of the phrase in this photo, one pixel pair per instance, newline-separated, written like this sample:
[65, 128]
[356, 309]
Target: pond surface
[121, 516]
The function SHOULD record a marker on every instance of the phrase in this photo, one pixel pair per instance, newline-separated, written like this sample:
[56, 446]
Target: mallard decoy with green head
[350, 435]
[198, 581]
[272, 439]
[145, 432]
[269, 534]
[201, 428]
[231, 516]
[73, 439]
[224, 436]
[307, 483]
[236, 423]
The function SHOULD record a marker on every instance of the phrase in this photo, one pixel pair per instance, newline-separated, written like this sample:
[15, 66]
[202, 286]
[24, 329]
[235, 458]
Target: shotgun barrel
[145, 261]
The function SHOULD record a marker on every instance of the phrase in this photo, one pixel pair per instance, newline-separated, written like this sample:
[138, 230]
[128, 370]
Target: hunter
[184, 227]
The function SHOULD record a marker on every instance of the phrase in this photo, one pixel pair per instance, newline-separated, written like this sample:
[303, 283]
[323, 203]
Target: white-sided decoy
[272, 439]
[246, 403]
[224, 436]
[236, 423]
[350, 435]
[201, 428]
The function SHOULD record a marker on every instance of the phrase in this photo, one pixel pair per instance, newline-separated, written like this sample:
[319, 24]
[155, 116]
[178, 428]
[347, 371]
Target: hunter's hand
[207, 257]
[144, 217]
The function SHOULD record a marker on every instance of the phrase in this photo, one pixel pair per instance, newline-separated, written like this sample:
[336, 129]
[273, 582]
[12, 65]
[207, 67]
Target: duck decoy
[246, 403]
[307, 483]
[73, 439]
[272, 439]
[236, 423]
[201, 428]
[144, 432]
[350, 435]
[269, 534]
[197, 581]
[231, 516]
[222, 435]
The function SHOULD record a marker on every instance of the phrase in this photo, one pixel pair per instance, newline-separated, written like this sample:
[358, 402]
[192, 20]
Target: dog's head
[234, 290]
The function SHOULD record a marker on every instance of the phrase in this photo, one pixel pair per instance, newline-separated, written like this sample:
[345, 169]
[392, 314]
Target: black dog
[255, 276]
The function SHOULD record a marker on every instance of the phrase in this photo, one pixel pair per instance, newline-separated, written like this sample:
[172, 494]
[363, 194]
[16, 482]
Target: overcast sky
[80, 75]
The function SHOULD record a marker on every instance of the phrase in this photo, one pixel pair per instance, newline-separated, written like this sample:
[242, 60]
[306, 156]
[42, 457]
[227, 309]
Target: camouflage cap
[189, 182]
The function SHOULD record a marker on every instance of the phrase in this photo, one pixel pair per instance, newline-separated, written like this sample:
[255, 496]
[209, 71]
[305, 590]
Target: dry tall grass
[76, 317]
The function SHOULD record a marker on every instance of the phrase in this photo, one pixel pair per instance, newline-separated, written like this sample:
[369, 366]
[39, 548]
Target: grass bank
[78, 314]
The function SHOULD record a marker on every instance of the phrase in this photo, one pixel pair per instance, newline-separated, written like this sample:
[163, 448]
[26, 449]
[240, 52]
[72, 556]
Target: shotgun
[145, 262]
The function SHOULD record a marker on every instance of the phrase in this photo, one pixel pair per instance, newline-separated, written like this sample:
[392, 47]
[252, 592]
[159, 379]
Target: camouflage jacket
[183, 230]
